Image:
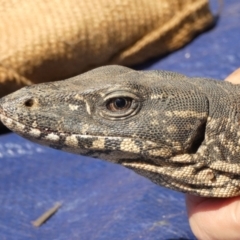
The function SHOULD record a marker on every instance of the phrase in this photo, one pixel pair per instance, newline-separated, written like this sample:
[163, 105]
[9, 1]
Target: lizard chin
[12, 124]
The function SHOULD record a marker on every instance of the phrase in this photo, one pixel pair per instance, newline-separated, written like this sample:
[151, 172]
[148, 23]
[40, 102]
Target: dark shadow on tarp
[3, 129]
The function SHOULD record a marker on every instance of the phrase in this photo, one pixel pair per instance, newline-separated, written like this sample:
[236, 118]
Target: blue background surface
[102, 200]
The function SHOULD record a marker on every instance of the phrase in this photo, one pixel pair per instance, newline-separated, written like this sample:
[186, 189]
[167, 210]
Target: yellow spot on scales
[79, 97]
[71, 141]
[161, 152]
[52, 137]
[99, 144]
[8, 121]
[19, 126]
[73, 107]
[172, 129]
[88, 108]
[184, 114]
[128, 145]
[34, 132]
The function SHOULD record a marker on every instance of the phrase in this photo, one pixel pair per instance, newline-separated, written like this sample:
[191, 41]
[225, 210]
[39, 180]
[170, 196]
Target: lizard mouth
[10, 123]
[103, 147]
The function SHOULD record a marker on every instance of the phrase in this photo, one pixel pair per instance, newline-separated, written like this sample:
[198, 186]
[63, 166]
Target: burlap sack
[44, 40]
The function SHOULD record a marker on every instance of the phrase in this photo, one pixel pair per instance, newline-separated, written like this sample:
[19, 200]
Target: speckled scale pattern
[182, 133]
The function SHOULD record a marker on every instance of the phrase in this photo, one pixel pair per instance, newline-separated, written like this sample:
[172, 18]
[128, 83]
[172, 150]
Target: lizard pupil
[120, 103]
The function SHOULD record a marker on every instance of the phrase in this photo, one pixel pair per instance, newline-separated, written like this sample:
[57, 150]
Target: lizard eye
[119, 104]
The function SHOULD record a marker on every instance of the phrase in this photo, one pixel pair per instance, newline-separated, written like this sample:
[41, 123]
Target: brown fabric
[44, 40]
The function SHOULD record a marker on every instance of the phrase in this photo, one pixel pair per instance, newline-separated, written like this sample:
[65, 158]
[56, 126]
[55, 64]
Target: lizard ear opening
[199, 138]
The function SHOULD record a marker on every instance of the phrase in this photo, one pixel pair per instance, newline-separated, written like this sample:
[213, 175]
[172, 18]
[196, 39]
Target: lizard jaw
[87, 145]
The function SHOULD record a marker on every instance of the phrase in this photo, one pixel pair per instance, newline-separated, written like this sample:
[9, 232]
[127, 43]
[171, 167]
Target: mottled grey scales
[182, 133]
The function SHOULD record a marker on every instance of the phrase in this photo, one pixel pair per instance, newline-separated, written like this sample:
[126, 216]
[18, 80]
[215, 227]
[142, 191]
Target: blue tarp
[102, 200]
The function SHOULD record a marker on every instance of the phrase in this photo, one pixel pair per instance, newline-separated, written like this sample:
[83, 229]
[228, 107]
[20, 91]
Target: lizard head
[114, 113]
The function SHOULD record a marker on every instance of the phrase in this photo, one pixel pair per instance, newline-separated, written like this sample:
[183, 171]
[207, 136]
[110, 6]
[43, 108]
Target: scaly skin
[182, 133]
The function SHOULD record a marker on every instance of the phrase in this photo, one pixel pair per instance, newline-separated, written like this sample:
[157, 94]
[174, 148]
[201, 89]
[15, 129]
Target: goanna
[182, 133]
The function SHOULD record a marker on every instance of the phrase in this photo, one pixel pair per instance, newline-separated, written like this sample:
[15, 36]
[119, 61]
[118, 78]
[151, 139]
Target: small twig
[45, 216]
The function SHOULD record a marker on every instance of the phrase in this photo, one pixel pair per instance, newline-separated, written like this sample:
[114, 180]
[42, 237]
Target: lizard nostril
[29, 103]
